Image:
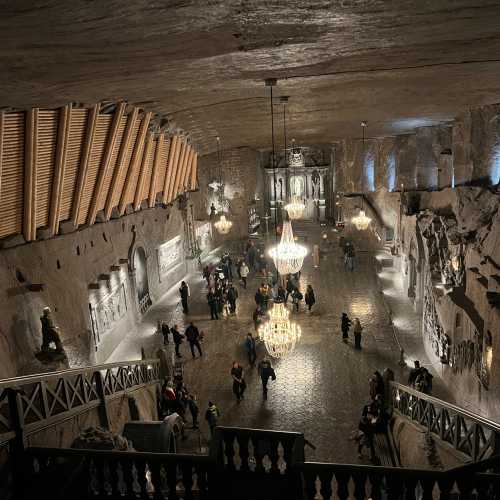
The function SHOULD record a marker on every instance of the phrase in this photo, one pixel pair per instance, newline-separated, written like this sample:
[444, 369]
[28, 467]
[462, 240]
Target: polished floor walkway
[320, 387]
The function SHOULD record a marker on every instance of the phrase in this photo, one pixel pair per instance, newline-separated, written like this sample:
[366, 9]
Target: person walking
[376, 385]
[177, 338]
[350, 256]
[266, 372]
[239, 384]
[184, 293]
[165, 330]
[357, 333]
[232, 296]
[193, 409]
[290, 287]
[212, 416]
[296, 298]
[251, 350]
[310, 298]
[280, 295]
[212, 304]
[414, 373]
[244, 271]
[257, 318]
[345, 324]
[193, 337]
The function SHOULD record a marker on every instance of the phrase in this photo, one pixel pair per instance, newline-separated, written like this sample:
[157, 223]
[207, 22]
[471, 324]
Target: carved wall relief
[169, 255]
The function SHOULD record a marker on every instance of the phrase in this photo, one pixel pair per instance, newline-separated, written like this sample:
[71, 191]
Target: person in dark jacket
[290, 287]
[280, 295]
[232, 296]
[212, 303]
[193, 337]
[212, 416]
[177, 337]
[310, 298]
[193, 409]
[165, 330]
[239, 384]
[184, 293]
[250, 348]
[266, 372]
[296, 298]
[345, 325]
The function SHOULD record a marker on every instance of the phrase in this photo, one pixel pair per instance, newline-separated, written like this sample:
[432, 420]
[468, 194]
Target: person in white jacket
[244, 273]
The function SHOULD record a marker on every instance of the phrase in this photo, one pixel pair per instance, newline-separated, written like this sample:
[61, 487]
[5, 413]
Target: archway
[141, 279]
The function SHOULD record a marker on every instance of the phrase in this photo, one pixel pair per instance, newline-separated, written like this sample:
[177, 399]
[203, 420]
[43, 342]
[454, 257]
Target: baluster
[203, 481]
[436, 491]
[155, 478]
[136, 486]
[165, 491]
[455, 490]
[351, 487]
[94, 486]
[317, 489]
[336, 487]
[266, 463]
[180, 489]
[410, 487]
[121, 485]
[368, 490]
[236, 454]
[281, 463]
[187, 480]
[107, 485]
[172, 480]
[252, 462]
[150, 489]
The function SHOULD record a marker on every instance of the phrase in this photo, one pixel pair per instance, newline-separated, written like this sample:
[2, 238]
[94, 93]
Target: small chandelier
[279, 334]
[223, 225]
[288, 256]
[295, 208]
[361, 221]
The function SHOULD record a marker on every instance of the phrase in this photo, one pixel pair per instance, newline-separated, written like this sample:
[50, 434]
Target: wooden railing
[475, 436]
[31, 403]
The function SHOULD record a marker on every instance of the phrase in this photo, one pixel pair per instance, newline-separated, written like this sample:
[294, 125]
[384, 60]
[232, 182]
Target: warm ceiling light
[295, 208]
[288, 256]
[361, 221]
[223, 225]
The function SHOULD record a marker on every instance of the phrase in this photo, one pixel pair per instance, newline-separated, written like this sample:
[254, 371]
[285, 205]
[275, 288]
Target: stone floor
[321, 386]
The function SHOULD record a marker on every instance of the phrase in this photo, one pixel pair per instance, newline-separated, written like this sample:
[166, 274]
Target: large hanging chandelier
[295, 207]
[361, 221]
[223, 225]
[279, 334]
[288, 256]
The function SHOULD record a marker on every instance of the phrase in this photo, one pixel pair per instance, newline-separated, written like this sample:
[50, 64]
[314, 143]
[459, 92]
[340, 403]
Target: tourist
[212, 416]
[184, 293]
[219, 297]
[165, 330]
[206, 274]
[168, 398]
[257, 318]
[296, 298]
[193, 337]
[232, 296]
[376, 385]
[212, 304]
[290, 287]
[414, 372]
[213, 211]
[259, 298]
[266, 371]
[310, 299]
[423, 382]
[177, 338]
[349, 256]
[250, 348]
[357, 333]
[193, 409]
[239, 384]
[367, 431]
[251, 255]
[345, 324]
[280, 295]
[244, 271]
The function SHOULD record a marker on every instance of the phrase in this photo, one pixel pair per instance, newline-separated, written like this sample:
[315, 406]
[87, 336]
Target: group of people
[420, 378]
[266, 372]
[345, 325]
[192, 334]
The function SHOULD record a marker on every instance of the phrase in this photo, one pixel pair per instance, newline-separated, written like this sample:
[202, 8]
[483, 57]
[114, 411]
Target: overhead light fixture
[279, 334]
[361, 221]
[295, 206]
[223, 225]
[288, 256]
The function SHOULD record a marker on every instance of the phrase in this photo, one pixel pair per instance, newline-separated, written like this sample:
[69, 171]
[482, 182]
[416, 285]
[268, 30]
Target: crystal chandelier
[288, 256]
[223, 225]
[295, 208]
[361, 221]
[279, 334]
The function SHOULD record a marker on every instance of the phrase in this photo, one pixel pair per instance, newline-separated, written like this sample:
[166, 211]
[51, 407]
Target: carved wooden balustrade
[31, 403]
[78, 474]
[469, 433]
[361, 482]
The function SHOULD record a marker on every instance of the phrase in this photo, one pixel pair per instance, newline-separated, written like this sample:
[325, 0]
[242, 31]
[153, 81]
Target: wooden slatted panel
[174, 169]
[112, 164]
[46, 156]
[174, 143]
[73, 157]
[11, 196]
[162, 168]
[149, 170]
[194, 173]
[121, 180]
[101, 134]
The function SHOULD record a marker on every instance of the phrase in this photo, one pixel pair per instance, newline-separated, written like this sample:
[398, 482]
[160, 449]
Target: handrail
[30, 379]
[457, 409]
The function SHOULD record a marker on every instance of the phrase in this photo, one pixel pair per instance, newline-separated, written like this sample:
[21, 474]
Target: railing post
[103, 407]
[17, 444]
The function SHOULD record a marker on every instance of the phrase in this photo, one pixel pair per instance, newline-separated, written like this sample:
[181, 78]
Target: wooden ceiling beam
[84, 164]
[142, 174]
[30, 157]
[156, 168]
[168, 166]
[187, 173]
[120, 162]
[2, 134]
[59, 168]
[182, 171]
[172, 191]
[194, 172]
[134, 162]
[105, 163]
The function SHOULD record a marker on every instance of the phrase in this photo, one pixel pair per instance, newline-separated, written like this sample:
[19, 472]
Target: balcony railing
[471, 434]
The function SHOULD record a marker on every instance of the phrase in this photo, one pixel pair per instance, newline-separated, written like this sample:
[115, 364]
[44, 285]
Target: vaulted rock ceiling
[397, 64]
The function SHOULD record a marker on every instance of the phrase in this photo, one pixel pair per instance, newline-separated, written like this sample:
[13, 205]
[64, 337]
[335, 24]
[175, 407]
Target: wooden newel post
[103, 407]
[17, 444]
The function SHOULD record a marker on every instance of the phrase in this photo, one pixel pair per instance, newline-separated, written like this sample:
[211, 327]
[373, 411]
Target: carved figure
[50, 333]
[316, 184]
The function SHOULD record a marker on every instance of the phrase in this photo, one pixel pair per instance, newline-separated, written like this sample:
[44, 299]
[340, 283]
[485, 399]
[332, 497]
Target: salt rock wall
[243, 184]
[92, 322]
